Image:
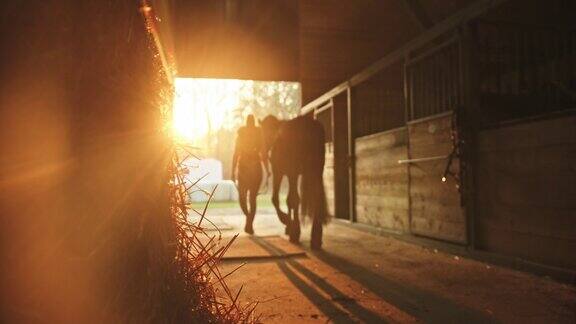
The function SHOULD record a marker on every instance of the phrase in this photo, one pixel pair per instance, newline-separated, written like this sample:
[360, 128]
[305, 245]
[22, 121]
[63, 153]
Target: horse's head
[270, 126]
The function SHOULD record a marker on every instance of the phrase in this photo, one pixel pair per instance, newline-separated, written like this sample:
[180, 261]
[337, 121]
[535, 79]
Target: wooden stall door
[435, 89]
[435, 206]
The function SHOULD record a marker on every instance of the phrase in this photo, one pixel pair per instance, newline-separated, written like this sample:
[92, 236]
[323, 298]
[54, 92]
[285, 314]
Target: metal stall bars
[525, 71]
[348, 88]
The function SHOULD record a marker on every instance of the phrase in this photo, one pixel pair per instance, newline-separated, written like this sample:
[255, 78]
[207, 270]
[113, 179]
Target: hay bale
[93, 226]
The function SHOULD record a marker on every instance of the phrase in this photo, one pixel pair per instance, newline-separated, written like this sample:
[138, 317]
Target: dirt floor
[360, 277]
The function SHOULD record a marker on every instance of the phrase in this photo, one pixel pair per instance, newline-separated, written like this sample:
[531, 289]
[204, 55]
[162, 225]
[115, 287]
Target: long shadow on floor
[327, 306]
[421, 304]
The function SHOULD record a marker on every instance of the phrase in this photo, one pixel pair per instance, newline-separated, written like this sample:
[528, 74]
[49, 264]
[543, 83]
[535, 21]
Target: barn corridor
[437, 136]
[362, 277]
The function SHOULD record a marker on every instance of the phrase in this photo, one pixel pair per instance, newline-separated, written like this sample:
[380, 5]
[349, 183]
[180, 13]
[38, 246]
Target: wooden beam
[324, 98]
[464, 15]
[323, 108]
[429, 52]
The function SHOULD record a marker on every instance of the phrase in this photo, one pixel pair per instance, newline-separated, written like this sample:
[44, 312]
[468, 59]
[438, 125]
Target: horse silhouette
[295, 149]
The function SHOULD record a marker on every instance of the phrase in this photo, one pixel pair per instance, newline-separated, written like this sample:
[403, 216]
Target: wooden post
[332, 116]
[408, 111]
[469, 126]
[351, 157]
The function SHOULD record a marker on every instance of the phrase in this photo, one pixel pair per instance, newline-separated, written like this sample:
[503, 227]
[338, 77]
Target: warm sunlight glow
[208, 112]
[203, 105]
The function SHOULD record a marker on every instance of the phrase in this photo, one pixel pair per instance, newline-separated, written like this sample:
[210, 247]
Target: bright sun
[203, 105]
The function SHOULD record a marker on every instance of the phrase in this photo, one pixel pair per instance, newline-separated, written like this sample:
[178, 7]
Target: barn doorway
[207, 114]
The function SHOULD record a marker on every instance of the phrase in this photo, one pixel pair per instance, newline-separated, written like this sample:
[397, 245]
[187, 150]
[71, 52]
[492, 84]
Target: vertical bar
[506, 60]
[492, 75]
[334, 159]
[429, 87]
[450, 78]
[421, 107]
[522, 61]
[453, 76]
[532, 62]
[546, 45]
[424, 102]
[516, 61]
[408, 106]
[351, 158]
[420, 83]
[554, 61]
[332, 116]
[440, 81]
[484, 47]
[408, 91]
[459, 64]
[568, 59]
[562, 61]
[542, 66]
[445, 73]
[418, 104]
[433, 85]
[553, 39]
[468, 125]
[572, 49]
[498, 42]
[415, 89]
[534, 54]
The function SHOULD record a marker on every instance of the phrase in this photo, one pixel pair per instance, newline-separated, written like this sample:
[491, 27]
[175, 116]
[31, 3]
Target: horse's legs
[276, 181]
[316, 236]
[318, 211]
[293, 200]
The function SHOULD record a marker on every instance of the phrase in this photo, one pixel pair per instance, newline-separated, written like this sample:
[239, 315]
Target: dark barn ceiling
[244, 39]
[317, 42]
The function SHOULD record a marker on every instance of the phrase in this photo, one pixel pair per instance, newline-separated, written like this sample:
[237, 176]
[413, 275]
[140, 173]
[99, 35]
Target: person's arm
[265, 162]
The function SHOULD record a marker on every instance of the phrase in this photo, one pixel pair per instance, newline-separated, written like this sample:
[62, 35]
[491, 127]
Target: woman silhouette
[248, 160]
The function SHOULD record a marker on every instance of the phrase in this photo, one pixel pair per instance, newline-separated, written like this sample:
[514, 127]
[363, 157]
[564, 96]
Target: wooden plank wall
[436, 211]
[329, 178]
[382, 183]
[527, 191]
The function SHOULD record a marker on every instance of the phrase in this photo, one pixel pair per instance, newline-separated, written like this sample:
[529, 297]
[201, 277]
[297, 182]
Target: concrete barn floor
[361, 277]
